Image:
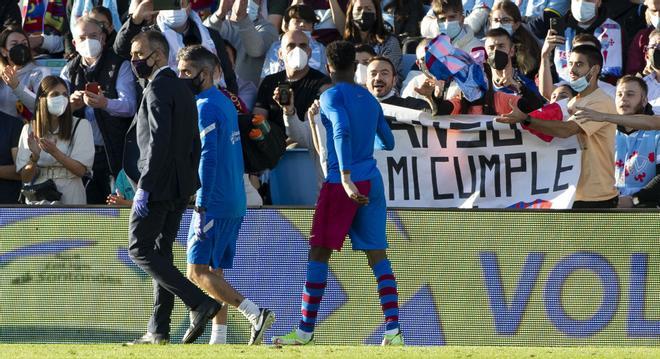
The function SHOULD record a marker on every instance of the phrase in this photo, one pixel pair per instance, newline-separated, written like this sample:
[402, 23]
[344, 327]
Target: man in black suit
[168, 140]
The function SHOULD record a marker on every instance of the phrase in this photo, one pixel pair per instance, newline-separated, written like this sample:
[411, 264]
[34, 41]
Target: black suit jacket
[164, 137]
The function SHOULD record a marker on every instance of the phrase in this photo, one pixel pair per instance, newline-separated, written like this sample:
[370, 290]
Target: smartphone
[93, 87]
[557, 25]
[166, 5]
[284, 97]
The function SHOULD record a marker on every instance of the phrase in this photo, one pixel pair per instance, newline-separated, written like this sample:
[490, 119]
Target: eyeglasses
[504, 20]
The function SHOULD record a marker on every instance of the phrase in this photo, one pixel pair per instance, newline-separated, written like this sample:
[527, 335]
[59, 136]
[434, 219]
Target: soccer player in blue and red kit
[352, 199]
[220, 204]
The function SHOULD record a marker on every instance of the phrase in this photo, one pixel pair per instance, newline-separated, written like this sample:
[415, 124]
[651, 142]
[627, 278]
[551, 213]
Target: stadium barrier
[532, 278]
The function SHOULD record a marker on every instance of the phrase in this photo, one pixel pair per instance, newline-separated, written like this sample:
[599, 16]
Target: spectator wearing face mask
[104, 94]
[19, 75]
[588, 16]
[305, 83]
[447, 18]
[363, 53]
[55, 150]
[243, 24]
[596, 186]
[507, 78]
[103, 16]
[506, 15]
[181, 27]
[652, 79]
[404, 16]
[364, 25]
[546, 75]
[636, 55]
[297, 17]
[475, 16]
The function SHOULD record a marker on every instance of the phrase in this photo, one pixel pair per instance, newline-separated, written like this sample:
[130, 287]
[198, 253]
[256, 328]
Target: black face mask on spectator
[366, 21]
[19, 54]
[656, 59]
[499, 60]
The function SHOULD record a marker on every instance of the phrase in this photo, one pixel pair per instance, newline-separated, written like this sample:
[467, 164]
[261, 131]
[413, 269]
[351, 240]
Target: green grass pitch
[19, 351]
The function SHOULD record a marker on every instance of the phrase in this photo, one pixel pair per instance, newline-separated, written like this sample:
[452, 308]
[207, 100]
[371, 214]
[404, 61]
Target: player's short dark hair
[590, 38]
[199, 57]
[442, 6]
[499, 32]
[341, 55]
[155, 39]
[365, 48]
[593, 54]
[384, 59]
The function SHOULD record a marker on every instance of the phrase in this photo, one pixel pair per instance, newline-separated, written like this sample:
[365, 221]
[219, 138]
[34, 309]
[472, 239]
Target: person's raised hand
[551, 41]
[515, 116]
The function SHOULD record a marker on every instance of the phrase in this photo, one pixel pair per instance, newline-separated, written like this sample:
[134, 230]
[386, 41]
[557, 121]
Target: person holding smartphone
[104, 94]
[284, 97]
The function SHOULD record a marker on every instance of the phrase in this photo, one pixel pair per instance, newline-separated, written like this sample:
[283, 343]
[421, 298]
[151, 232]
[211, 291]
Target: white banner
[475, 162]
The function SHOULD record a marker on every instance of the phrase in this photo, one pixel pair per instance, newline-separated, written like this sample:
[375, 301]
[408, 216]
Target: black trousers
[98, 188]
[150, 247]
[609, 203]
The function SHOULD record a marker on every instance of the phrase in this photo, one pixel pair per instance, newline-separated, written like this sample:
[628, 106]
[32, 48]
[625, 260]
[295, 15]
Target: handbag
[43, 191]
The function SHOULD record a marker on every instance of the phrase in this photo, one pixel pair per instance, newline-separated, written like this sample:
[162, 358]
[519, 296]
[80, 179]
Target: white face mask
[655, 21]
[57, 105]
[308, 34]
[253, 10]
[361, 74]
[296, 59]
[450, 28]
[90, 48]
[583, 11]
[174, 18]
[507, 27]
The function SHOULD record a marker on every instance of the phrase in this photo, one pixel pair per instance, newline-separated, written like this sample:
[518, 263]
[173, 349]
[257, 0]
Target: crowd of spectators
[584, 55]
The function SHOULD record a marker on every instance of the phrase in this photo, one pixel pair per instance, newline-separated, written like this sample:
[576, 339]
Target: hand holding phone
[284, 97]
[93, 87]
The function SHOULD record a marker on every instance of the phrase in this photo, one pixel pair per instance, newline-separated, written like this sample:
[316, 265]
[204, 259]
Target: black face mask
[141, 69]
[19, 54]
[499, 61]
[366, 21]
[195, 84]
[656, 59]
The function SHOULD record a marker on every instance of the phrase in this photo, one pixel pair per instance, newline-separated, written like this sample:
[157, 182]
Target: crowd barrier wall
[529, 278]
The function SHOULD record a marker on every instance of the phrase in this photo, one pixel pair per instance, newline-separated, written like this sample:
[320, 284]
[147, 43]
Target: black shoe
[264, 322]
[198, 319]
[151, 338]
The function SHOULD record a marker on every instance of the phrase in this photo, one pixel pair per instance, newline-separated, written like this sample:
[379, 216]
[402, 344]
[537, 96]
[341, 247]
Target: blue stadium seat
[407, 62]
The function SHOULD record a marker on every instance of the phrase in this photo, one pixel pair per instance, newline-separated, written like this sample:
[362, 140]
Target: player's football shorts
[219, 247]
[337, 215]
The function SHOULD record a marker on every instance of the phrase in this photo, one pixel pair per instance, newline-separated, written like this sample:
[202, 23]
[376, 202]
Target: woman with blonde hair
[54, 150]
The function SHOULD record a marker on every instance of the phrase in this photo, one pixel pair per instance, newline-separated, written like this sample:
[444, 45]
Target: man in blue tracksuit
[220, 203]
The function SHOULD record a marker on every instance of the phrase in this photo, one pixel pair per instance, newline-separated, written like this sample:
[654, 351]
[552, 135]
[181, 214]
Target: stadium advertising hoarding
[465, 278]
[471, 161]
